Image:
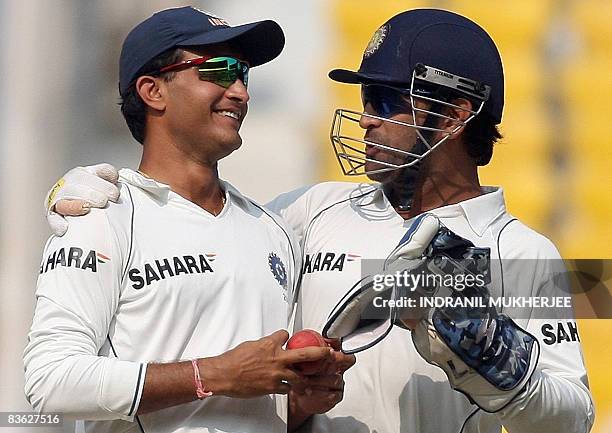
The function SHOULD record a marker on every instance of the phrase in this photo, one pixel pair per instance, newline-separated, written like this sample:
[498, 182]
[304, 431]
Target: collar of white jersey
[480, 212]
[161, 191]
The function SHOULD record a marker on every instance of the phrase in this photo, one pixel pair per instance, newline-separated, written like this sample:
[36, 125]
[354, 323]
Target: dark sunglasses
[387, 101]
[222, 70]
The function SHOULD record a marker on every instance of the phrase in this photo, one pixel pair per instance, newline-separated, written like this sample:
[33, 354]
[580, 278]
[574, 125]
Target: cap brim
[355, 77]
[258, 42]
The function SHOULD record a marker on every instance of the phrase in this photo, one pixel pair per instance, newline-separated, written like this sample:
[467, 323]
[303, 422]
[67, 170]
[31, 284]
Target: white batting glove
[78, 191]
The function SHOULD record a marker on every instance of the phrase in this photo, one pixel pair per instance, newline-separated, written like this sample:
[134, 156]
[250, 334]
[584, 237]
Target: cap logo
[217, 21]
[213, 19]
[376, 41]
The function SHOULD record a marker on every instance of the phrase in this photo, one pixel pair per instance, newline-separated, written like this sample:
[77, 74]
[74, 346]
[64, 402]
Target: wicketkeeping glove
[358, 320]
[485, 355]
[79, 190]
[490, 359]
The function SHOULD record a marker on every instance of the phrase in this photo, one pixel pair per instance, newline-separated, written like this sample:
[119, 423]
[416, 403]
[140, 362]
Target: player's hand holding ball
[308, 338]
[323, 387]
[259, 367]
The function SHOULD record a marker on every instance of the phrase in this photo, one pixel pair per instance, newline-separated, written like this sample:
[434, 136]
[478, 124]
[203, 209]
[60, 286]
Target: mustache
[373, 138]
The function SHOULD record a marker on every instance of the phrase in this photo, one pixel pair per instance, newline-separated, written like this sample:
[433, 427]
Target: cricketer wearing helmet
[432, 88]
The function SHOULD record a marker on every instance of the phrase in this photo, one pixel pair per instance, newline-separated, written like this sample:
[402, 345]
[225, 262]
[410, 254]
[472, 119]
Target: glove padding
[490, 359]
[355, 320]
[79, 190]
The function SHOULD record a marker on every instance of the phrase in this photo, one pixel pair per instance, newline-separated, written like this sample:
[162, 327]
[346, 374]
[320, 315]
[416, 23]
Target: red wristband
[198, 382]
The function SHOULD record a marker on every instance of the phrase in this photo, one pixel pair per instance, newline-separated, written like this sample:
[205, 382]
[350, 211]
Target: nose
[367, 122]
[238, 92]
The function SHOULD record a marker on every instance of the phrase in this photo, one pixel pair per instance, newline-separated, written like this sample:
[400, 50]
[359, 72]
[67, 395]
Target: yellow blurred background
[59, 89]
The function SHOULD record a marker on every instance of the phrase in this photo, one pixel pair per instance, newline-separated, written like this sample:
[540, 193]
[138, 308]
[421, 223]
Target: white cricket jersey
[391, 388]
[156, 279]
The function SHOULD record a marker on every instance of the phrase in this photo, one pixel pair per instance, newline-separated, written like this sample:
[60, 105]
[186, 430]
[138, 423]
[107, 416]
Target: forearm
[167, 385]
[549, 404]
[252, 369]
[174, 383]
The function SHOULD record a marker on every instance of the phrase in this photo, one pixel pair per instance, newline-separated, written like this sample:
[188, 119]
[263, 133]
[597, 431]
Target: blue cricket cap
[436, 38]
[259, 42]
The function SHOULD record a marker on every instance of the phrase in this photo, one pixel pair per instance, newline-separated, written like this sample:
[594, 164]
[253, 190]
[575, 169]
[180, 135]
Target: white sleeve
[77, 294]
[557, 397]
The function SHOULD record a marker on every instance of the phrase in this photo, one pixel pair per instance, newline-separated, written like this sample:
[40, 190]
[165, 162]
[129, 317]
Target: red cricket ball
[307, 338]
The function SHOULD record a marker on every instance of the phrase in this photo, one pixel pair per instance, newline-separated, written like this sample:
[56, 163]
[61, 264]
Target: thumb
[417, 238]
[334, 343]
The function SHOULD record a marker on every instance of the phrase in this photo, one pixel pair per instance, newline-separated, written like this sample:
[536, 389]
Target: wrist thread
[199, 388]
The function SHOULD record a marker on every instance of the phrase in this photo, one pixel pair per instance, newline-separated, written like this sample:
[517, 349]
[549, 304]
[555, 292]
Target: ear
[150, 90]
[460, 113]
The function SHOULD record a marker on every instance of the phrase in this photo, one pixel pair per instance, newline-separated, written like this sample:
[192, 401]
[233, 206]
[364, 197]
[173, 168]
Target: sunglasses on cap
[387, 101]
[222, 70]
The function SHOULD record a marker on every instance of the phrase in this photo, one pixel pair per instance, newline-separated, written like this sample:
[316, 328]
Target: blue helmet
[435, 38]
[422, 54]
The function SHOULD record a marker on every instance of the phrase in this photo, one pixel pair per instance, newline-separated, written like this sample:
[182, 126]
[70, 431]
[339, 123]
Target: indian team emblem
[377, 39]
[278, 270]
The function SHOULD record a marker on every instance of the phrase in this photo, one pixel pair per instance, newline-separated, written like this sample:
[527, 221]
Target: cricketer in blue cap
[259, 42]
[183, 82]
[153, 48]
